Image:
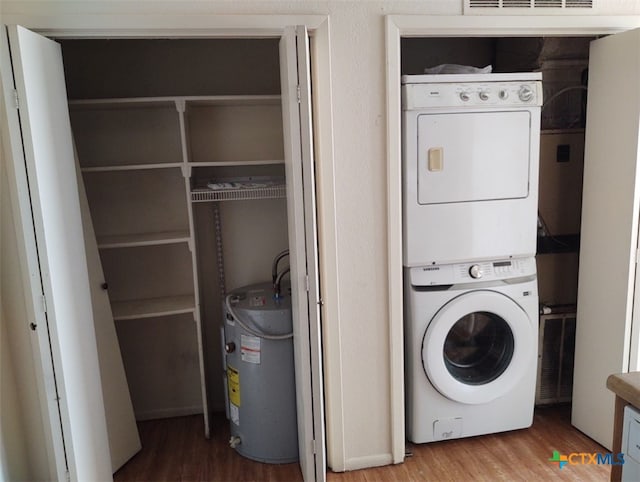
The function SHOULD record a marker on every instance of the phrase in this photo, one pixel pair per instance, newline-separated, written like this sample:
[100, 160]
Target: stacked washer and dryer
[470, 197]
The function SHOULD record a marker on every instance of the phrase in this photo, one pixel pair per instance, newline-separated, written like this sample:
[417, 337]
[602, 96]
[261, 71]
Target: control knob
[483, 95]
[475, 271]
[464, 96]
[525, 93]
[503, 94]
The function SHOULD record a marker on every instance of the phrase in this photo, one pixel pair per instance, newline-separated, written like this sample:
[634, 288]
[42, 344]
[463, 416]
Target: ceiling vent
[526, 7]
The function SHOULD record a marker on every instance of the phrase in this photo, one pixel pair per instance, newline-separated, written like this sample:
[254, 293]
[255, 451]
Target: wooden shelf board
[117, 103]
[132, 167]
[577, 130]
[203, 100]
[173, 165]
[265, 162]
[149, 308]
[233, 100]
[146, 239]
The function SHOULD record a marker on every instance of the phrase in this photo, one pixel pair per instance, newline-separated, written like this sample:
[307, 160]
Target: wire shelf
[238, 190]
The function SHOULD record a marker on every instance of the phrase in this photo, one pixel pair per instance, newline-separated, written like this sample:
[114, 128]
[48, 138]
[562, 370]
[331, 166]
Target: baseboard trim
[168, 412]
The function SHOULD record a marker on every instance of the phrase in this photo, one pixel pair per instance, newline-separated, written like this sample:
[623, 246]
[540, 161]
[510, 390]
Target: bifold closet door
[42, 152]
[124, 440]
[607, 318]
[301, 212]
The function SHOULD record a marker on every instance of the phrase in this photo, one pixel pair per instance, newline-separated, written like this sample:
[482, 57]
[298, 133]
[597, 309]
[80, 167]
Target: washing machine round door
[477, 347]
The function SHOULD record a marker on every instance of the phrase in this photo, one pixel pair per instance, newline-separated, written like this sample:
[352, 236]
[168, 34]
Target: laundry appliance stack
[470, 196]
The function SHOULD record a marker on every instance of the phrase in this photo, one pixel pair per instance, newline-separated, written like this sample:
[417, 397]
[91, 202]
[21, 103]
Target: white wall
[358, 335]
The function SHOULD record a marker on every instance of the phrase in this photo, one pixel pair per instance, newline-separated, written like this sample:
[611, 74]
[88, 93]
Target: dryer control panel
[473, 272]
[472, 94]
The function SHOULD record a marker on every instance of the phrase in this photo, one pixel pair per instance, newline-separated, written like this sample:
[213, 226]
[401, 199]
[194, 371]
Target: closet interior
[180, 146]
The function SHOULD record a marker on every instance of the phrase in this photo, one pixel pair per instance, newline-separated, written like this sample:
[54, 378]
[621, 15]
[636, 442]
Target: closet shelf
[238, 189]
[132, 167]
[153, 307]
[261, 162]
[142, 102]
[172, 165]
[146, 239]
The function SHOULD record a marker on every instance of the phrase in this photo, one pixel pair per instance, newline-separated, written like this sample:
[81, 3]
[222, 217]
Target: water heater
[261, 398]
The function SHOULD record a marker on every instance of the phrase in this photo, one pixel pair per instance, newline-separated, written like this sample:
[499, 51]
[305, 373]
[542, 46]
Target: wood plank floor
[520, 455]
[175, 450]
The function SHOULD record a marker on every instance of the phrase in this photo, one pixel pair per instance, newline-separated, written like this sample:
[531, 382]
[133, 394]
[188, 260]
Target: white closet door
[124, 440]
[49, 159]
[301, 207]
[609, 232]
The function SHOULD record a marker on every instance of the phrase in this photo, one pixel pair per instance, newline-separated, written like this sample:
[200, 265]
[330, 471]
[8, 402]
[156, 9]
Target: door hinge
[68, 475]
[298, 93]
[43, 299]
[16, 99]
[306, 282]
[637, 255]
[313, 446]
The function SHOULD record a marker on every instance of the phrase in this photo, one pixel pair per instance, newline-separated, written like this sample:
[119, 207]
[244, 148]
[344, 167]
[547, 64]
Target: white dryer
[471, 348]
[470, 166]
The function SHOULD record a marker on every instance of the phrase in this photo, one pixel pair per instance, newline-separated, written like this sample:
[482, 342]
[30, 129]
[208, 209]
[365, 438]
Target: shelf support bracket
[181, 105]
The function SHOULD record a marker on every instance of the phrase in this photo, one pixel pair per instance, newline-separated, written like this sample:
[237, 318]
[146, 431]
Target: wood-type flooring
[176, 450]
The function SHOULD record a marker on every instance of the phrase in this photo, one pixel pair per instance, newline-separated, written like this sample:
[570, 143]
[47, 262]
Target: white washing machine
[470, 166]
[470, 348]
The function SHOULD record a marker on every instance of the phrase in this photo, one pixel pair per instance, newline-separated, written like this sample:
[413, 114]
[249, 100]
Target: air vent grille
[556, 349]
[548, 3]
[485, 3]
[516, 3]
[533, 7]
[579, 3]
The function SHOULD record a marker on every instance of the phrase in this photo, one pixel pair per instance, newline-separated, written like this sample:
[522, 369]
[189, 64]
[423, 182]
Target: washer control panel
[476, 271]
[473, 272]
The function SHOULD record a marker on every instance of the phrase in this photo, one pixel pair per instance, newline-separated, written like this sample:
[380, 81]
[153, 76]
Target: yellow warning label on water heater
[233, 380]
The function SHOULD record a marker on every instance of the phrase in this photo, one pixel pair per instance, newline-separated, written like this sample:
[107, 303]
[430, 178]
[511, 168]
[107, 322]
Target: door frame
[63, 24]
[396, 27]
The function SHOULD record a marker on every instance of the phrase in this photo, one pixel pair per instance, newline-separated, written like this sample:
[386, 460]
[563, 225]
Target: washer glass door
[477, 347]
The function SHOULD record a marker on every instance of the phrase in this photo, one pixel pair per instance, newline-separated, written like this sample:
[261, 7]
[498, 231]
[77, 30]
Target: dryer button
[525, 93]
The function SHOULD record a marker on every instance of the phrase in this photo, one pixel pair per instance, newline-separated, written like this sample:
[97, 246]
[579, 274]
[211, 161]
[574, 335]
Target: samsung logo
[431, 268]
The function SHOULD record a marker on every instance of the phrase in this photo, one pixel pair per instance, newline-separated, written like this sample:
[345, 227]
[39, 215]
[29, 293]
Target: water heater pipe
[276, 261]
